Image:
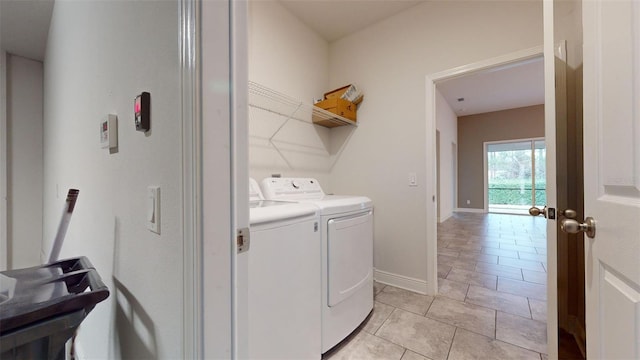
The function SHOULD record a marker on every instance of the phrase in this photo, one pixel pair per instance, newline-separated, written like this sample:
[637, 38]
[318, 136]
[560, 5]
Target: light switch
[153, 209]
[413, 179]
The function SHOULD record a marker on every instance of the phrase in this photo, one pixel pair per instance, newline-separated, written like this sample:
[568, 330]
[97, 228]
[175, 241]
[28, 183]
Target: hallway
[491, 302]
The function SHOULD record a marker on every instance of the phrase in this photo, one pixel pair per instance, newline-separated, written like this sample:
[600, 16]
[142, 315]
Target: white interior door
[612, 177]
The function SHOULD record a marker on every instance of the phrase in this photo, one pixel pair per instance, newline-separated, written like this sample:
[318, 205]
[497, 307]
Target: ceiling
[505, 87]
[24, 27]
[334, 19]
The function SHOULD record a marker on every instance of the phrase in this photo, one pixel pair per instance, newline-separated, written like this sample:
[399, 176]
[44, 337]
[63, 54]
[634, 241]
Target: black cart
[41, 307]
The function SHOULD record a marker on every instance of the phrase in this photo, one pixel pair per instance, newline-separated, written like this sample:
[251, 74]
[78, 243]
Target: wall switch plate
[109, 132]
[153, 209]
[413, 179]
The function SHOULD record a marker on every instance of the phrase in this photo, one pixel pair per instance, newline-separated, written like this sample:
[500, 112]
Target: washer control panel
[292, 189]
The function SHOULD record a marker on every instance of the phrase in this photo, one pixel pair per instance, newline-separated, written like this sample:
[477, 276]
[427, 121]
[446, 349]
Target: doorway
[515, 176]
[484, 249]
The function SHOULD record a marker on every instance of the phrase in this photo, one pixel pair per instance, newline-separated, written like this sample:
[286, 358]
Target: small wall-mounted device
[142, 110]
[109, 132]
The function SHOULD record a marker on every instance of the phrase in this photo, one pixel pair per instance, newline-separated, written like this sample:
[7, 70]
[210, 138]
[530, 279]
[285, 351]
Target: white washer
[283, 292]
[347, 253]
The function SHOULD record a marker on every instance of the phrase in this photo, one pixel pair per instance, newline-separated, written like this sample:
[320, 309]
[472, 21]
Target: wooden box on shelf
[336, 93]
[337, 106]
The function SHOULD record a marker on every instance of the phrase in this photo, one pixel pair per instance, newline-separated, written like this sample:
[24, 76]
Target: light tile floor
[491, 302]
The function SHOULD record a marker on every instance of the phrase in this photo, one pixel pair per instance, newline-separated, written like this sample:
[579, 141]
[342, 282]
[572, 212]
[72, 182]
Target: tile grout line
[452, 340]
[385, 319]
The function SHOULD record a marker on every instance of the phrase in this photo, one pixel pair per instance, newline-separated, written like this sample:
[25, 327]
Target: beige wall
[475, 130]
[100, 55]
[390, 61]
[24, 161]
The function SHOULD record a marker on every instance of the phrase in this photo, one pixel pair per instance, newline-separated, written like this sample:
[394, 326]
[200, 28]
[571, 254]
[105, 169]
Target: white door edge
[192, 334]
[3, 162]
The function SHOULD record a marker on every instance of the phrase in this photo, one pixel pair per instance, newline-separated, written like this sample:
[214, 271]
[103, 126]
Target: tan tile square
[468, 345]
[499, 270]
[535, 276]
[500, 252]
[538, 310]
[452, 289]
[424, 336]
[523, 264]
[467, 316]
[443, 270]
[366, 346]
[523, 288]
[487, 258]
[473, 278]
[464, 247]
[405, 299]
[526, 333]
[410, 355]
[380, 313]
[528, 249]
[377, 287]
[456, 262]
[497, 300]
[448, 252]
[533, 257]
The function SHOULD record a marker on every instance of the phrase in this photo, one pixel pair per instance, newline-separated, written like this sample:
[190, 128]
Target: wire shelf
[267, 99]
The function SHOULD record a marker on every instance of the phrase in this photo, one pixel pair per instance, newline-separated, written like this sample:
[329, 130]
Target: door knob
[569, 213]
[534, 211]
[571, 226]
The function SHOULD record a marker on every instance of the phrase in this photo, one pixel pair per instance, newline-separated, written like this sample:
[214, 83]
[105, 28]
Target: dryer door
[350, 255]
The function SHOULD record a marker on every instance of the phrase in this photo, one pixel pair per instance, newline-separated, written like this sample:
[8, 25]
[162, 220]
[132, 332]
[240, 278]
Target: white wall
[24, 161]
[289, 57]
[389, 61]
[447, 125]
[100, 55]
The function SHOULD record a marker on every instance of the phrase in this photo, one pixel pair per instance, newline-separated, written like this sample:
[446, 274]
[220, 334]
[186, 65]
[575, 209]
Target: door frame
[4, 258]
[430, 111]
[486, 164]
[189, 34]
[214, 74]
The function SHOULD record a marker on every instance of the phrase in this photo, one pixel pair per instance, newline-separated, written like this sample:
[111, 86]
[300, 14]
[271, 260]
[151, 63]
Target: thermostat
[142, 111]
[109, 132]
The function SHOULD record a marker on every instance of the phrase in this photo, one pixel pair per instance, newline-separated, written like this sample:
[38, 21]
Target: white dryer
[283, 292]
[347, 253]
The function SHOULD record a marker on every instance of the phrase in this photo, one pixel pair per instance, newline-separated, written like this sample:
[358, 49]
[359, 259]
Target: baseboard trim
[445, 218]
[400, 281]
[470, 210]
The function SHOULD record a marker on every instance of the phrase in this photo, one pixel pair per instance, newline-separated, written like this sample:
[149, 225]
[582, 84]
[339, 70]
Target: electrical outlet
[468, 202]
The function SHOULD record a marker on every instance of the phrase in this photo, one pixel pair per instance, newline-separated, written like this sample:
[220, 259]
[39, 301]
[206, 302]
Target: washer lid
[275, 211]
[336, 204]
